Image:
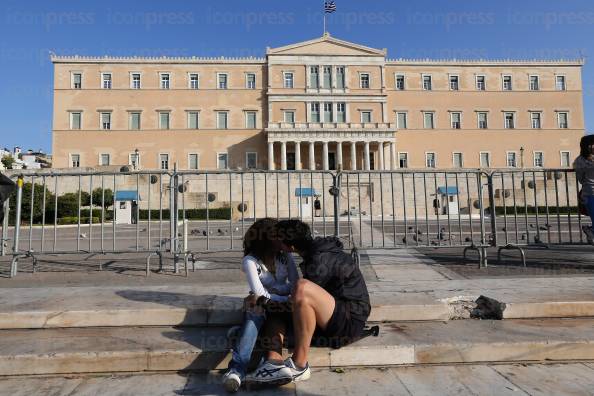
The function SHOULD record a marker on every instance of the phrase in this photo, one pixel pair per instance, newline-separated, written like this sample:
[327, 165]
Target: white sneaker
[589, 234]
[298, 375]
[270, 373]
[231, 381]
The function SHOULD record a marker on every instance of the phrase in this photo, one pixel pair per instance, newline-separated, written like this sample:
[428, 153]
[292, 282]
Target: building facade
[319, 104]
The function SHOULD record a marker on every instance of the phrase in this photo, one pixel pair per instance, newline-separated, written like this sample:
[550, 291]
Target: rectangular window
[400, 82]
[483, 120]
[104, 160]
[164, 161]
[222, 119]
[485, 160]
[560, 83]
[251, 160]
[458, 160]
[222, 80]
[288, 80]
[456, 120]
[134, 160]
[75, 120]
[222, 161]
[314, 79]
[535, 120]
[77, 80]
[75, 160]
[481, 83]
[106, 121]
[193, 119]
[510, 120]
[327, 77]
[164, 120]
[454, 83]
[364, 80]
[565, 159]
[250, 81]
[430, 160]
[315, 112]
[429, 120]
[193, 81]
[289, 116]
[328, 112]
[534, 83]
[427, 83]
[250, 119]
[366, 117]
[511, 159]
[135, 81]
[340, 77]
[538, 159]
[165, 79]
[507, 83]
[106, 80]
[403, 160]
[341, 112]
[193, 161]
[401, 120]
[563, 120]
[134, 123]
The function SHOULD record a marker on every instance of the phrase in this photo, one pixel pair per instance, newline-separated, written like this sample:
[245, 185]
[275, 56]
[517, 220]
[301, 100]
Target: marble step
[139, 349]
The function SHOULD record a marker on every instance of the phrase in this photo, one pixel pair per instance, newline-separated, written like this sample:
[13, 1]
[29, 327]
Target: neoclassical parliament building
[319, 104]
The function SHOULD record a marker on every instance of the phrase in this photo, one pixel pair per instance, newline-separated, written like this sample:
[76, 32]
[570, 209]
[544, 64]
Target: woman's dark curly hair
[585, 144]
[257, 240]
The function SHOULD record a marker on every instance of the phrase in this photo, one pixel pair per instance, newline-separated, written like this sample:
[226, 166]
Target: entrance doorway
[290, 161]
[332, 161]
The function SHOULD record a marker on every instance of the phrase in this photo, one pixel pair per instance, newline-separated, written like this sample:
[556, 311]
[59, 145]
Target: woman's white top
[262, 282]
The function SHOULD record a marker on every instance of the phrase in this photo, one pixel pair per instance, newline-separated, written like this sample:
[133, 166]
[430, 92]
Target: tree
[98, 197]
[7, 161]
[37, 204]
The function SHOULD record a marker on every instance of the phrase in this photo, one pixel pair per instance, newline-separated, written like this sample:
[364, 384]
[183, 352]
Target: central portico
[342, 108]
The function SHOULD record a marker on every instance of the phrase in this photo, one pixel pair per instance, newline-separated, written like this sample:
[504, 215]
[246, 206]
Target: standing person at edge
[584, 169]
[331, 300]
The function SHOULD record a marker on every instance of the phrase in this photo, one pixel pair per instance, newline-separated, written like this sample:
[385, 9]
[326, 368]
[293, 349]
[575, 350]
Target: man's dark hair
[257, 239]
[295, 233]
[585, 144]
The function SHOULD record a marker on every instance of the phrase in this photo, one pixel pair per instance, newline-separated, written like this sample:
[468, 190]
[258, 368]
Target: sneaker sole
[231, 386]
[303, 376]
[255, 384]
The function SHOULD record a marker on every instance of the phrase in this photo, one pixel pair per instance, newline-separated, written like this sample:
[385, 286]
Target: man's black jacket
[327, 265]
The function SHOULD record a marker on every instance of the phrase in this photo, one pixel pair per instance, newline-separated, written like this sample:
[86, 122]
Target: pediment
[326, 45]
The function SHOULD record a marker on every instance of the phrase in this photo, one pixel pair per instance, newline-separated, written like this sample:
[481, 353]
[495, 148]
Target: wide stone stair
[173, 328]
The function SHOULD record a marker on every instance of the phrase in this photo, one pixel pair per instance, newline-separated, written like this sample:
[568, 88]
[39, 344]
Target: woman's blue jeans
[242, 351]
[590, 208]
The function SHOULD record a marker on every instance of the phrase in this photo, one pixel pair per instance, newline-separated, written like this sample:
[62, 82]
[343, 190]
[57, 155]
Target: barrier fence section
[186, 213]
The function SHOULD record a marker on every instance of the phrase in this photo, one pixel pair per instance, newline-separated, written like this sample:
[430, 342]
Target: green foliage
[7, 161]
[36, 203]
[99, 197]
[191, 214]
[74, 220]
[542, 210]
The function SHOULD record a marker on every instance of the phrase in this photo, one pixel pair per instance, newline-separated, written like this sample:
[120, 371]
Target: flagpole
[324, 23]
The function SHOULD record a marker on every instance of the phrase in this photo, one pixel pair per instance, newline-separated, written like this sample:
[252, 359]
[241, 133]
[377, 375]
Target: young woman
[584, 169]
[271, 276]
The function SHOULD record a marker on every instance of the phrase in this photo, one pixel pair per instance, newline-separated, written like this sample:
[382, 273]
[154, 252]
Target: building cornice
[154, 59]
[486, 62]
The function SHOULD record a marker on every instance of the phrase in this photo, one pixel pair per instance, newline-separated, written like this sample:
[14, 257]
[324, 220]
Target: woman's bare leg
[273, 336]
[312, 306]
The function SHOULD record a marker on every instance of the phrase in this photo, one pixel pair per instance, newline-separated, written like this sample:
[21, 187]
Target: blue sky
[410, 29]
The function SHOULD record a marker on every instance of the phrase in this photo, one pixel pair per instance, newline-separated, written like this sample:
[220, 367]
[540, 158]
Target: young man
[331, 300]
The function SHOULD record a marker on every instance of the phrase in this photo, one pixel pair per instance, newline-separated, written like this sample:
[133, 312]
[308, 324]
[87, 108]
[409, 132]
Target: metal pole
[17, 227]
[5, 227]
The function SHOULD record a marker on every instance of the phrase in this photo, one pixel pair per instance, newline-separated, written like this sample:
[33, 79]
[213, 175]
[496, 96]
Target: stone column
[353, 155]
[381, 155]
[339, 155]
[367, 160]
[312, 156]
[270, 155]
[325, 155]
[298, 155]
[284, 155]
[393, 159]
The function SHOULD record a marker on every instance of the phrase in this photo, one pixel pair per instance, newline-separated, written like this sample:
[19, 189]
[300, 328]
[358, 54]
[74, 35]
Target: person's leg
[273, 336]
[242, 351]
[590, 208]
[312, 305]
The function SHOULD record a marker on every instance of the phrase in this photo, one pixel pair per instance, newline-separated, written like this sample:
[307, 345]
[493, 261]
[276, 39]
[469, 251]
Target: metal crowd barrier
[188, 213]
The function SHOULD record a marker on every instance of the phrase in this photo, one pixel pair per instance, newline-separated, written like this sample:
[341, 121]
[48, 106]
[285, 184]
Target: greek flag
[329, 7]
